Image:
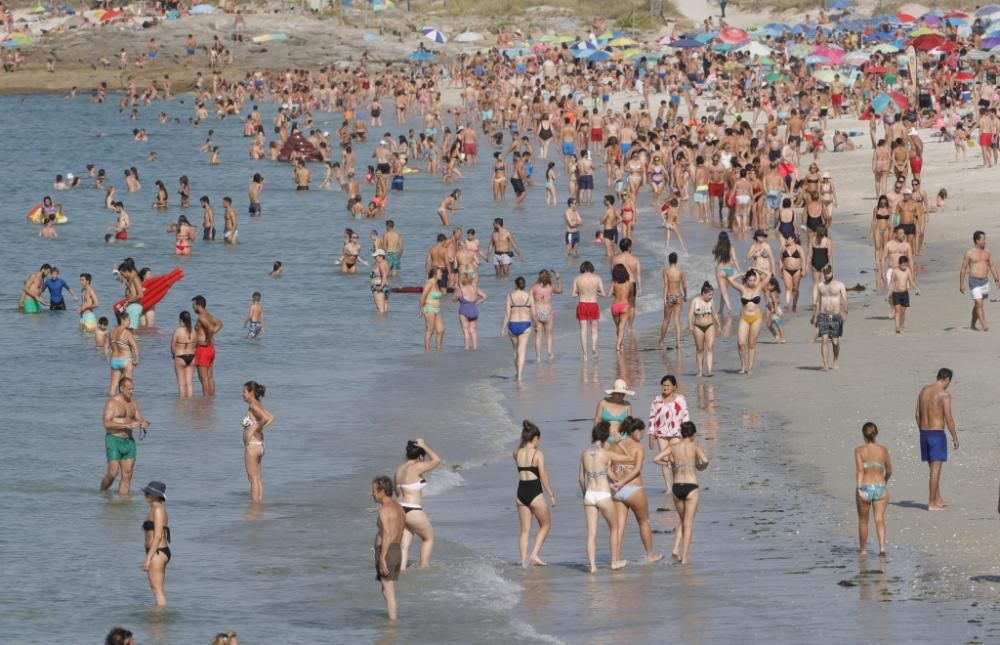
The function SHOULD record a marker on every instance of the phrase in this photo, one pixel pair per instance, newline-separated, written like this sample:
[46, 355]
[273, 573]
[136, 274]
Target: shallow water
[347, 389]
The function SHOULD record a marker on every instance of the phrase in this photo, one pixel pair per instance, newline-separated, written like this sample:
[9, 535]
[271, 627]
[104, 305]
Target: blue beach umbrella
[599, 56]
[988, 10]
[840, 4]
[705, 37]
[420, 56]
[516, 51]
[685, 43]
[201, 9]
[584, 53]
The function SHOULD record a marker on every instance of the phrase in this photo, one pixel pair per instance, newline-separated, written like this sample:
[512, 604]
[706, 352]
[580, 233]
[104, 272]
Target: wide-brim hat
[156, 489]
[620, 387]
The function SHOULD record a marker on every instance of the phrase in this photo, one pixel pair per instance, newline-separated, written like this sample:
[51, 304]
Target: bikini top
[528, 469]
[755, 300]
[607, 415]
[419, 485]
[873, 464]
[434, 295]
[702, 307]
[248, 420]
[513, 304]
[148, 526]
[590, 474]
[785, 254]
[879, 215]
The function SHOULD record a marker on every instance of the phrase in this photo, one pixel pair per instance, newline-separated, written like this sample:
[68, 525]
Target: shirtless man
[899, 293]
[89, 302]
[716, 183]
[978, 265]
[392, 242]
[207, 220]
[585, 180]
[388, 554]
[794, 130]
[438, 257]
[573, 223]
[229, 231]
[121, 418]
[674, 296]
[985, 124]
[503, 247]
[383, 157]
[302, 175]
[587, 287]
[631, 263]
[206, 328]
[829, 312]
[894, 249]
[32, 288]
[253, 192]
[933, 412]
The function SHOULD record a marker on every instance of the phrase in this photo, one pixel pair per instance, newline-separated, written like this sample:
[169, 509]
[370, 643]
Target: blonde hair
[465, 279]
[225, 638]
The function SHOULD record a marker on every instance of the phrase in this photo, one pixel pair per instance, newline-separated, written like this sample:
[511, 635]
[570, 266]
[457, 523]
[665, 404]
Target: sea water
[348, 388]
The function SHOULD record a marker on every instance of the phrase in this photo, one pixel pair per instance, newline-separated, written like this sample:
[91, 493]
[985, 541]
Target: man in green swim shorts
[121, 417]
[393, 245]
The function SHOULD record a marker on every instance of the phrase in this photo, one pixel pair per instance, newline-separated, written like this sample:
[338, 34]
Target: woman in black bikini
[410, 483]
[792, 270]
[703, 321]
[532, 477]
[881, 231]
[157, 539]
[751, 316]
[182, 349]
[685, 458]
[820, 253]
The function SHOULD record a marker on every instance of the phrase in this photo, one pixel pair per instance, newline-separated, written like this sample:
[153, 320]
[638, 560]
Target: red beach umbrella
[733, 35]
[899, 99]
[964, 76]
[905, 17]
[110, 15]
[928, 42]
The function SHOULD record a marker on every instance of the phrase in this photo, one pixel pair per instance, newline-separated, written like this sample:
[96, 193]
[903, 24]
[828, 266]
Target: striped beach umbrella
[433, 34]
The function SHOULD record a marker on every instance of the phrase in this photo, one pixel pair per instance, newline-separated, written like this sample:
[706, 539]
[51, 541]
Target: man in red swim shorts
[469, 147]
[204, 352]
[587, 287]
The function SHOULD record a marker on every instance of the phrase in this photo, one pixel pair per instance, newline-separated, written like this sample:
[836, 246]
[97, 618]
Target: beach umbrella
[599, 56]
[558, 40]
[840, 4]
[516, 51]
[774, 77]
[754, 48]
[905, 18]
[777, 26]
[433, 35]
[469, 37]
[813, 59]
[832, 54]
[733, 35]
[540, 48]
[685, 43]
[964, 76]
[856, 58]
[722, 47]
[418, 55]
[622, 42]
[946, 48]
[990, 43]
[885, 48]
[800, 50]
[824, 75]
[978, 55]
[881, 103]
[988, 10]
[583, 44]
[199, 9]
[927, 42]
[584, 53]
[705, 37]
[875, 70]
[110, 15]
[923, 31]
[957, 14]
[914, 9]
[899, 99]
[766, 61]
[633, 52]
[764, 33]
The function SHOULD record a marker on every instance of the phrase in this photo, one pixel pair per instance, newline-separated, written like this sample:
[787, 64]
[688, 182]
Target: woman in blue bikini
[122, 352]
[517, 319]
[614, 409]
[874, 468]
[469, 297]
[627, 490]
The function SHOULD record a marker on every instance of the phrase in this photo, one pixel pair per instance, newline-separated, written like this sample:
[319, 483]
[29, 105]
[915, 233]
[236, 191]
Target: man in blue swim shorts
[933, 413]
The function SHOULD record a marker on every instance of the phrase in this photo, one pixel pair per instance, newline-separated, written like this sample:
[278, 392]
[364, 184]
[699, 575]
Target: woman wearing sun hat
[157, 539]
[614, 408]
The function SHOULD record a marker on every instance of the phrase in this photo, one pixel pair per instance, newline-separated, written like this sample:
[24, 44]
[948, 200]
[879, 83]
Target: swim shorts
[204, 356]
[393, 258]
[901, 298]
[572, 238]
[134, 313]
[255, 208]
[585, 182]
[120, 448]
[502, 258]
[586, 311]
[831, 325]
[933, 445]
[568, 148]
[979, 287]
[393, 562]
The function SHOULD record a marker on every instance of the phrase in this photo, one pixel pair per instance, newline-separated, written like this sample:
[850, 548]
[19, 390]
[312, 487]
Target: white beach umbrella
[755, 48]
[469, 37]
[433, 34]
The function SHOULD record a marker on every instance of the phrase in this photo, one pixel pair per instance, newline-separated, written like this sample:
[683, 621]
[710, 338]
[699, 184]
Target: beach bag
[731, 198]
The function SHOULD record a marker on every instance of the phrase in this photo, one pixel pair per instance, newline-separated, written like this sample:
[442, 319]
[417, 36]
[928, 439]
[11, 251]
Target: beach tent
[298, 143]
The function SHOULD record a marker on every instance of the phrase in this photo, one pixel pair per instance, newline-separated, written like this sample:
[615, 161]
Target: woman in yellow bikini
[751, 292]
[430, 310]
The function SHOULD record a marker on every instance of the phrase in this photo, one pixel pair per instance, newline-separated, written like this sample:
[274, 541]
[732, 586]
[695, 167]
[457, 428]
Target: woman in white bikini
[595, 462]
[628, 491]
[541, 293]
[410, 483]
[257, 418]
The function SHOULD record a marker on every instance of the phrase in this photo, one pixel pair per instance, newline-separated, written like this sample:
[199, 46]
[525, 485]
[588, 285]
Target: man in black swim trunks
[829, 312]
[388, 553]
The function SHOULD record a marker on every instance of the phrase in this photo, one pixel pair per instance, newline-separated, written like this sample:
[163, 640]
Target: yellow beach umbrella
[622, 42]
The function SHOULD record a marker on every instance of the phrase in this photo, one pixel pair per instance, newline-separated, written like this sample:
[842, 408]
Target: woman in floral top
[668, 411]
